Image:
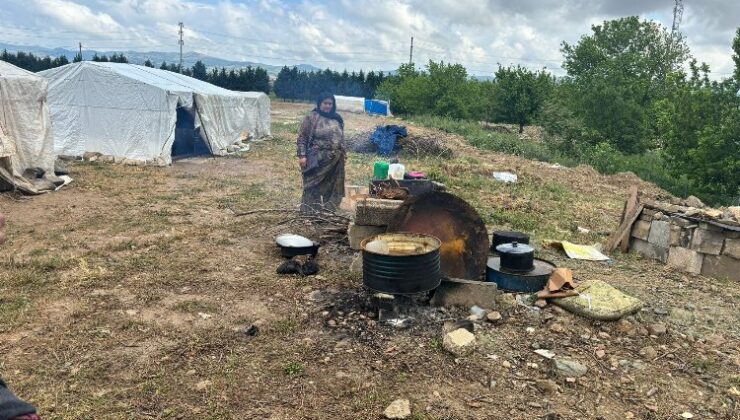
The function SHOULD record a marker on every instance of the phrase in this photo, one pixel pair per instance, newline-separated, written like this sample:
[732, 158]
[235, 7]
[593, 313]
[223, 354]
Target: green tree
[617, 73]
[199, 70]
[77, 58]
[148, 63]
[520, 93]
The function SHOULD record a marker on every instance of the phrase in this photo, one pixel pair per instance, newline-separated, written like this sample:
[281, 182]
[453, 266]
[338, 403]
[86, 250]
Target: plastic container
[380, 170]
[396, 171]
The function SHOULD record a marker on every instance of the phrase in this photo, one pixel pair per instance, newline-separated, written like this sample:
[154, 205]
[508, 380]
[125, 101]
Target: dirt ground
[129, 293]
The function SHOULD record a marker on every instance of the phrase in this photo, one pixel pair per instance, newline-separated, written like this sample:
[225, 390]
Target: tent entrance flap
[188, 141]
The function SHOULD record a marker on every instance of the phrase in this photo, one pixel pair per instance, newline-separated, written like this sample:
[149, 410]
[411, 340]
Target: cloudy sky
[359, 34]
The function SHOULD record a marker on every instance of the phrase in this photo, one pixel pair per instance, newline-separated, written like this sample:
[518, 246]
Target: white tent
[350, 104]
[131, 111]
[25, 127]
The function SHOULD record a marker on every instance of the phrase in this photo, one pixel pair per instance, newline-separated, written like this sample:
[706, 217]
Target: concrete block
[465, 293]
[707, 241]
[732, 248]
[685, 260]
[721, 266]
[641, 229]
[660, 234]
[649, 250]
[357, 234]
[376, 212]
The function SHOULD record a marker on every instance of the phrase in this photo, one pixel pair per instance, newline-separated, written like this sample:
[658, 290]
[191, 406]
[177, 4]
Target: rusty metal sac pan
[464, 249]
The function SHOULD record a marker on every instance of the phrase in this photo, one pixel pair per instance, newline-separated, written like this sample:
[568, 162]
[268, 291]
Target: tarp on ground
[25, 127]
[130, 111]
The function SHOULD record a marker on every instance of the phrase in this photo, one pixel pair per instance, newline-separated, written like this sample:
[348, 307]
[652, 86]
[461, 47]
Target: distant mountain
[156, 57]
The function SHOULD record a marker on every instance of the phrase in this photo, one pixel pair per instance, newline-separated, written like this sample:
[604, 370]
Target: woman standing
[321, 155]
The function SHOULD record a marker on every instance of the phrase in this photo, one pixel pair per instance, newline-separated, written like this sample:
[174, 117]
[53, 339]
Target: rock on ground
[459, 342]
[570, 368]
[398, 409]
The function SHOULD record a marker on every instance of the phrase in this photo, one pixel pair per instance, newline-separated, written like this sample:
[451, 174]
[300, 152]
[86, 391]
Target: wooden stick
[629, 206]
[624, 229]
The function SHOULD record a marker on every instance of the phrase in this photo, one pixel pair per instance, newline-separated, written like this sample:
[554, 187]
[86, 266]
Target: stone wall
[693, 246]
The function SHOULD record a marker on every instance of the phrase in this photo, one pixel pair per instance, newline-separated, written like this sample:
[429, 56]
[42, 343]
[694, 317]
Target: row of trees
[248, 79]
[514, 96]
[32, 62]
[631, 89]
[245, 79]
[294, 84]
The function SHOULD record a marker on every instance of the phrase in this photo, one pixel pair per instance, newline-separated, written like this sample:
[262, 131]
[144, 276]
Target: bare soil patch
[127, 295]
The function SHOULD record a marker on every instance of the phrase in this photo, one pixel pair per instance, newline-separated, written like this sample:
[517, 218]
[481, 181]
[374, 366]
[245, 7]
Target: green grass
[650, 166]
[293, 368]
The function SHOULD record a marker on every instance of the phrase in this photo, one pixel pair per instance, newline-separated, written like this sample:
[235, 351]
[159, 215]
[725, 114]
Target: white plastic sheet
[130, 111]
[25, 127]
[350, 104]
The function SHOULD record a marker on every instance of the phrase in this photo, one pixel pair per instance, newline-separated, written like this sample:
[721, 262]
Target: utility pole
[677, 16]
[181, 44]
[80, 51]
[411, 52]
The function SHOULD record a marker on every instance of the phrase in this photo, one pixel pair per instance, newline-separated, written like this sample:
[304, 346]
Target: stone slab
[685, 259]
[707, 241]
[660, 234]
[466, 293]
[675, 235]
[641, 229]
[732, 248]
[357, 234]
[649, 250]
[375, 211]
[722, 266]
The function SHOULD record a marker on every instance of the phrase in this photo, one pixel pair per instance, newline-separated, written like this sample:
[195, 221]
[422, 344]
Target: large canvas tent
[140, 113]
[25, 128]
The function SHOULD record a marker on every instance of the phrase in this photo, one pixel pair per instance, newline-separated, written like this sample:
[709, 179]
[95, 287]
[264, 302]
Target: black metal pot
[401, 263]
[528, 282]
[516, 257]
[292, 245]
[292, 251]
[501, 237]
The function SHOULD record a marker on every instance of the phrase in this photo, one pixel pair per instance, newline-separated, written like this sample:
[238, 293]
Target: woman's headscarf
[333, 113]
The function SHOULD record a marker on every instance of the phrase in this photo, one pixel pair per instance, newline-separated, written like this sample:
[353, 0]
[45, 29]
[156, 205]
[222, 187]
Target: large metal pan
[465, 243]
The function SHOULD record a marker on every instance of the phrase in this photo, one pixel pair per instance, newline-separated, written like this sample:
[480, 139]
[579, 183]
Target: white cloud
[345, 34]
[78, 17]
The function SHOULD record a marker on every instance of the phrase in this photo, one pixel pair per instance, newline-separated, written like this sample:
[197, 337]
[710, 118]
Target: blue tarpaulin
[378, 107]
[384, 137]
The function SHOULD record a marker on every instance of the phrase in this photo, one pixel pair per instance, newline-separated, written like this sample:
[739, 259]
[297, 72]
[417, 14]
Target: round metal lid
[514, 248]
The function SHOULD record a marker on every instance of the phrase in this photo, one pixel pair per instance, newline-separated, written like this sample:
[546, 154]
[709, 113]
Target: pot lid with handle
[514, 248]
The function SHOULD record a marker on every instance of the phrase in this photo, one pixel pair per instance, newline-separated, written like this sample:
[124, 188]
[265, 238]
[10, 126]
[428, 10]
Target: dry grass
[104, 283]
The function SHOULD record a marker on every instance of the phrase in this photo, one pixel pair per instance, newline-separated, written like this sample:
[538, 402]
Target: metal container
[506, 237]
[414, 186]
[401, 263]
[292, 245]
[516, 257]
[527, 282]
